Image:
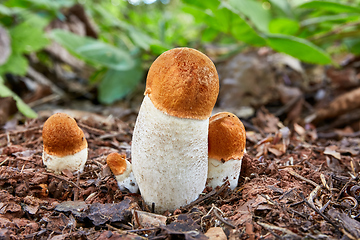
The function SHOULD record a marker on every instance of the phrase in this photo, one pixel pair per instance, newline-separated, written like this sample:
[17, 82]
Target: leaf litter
[292, 186]
[299, 177]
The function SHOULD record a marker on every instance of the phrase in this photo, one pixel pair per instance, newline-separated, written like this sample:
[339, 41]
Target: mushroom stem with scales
[169, 145]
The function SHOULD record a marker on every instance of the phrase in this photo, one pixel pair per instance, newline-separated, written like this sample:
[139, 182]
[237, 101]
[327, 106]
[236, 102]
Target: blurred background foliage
[131, 34]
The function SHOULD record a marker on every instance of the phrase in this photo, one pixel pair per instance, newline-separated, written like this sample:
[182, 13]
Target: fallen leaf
[331, 150]
[216, 233]
[148, 220]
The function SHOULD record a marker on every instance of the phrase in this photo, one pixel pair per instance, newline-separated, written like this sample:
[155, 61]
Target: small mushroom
[169, 145]
[65, 146]
[227, 139]
[122, 170]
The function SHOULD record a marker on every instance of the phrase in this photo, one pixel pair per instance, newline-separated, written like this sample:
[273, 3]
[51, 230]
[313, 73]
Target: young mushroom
[169, 145]
[227, 139]
[65, 146]
[122, 170]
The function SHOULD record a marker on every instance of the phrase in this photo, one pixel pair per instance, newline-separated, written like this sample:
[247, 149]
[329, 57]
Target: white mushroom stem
[171, 157]
[220, 172]
[58, 164]
[126, 180]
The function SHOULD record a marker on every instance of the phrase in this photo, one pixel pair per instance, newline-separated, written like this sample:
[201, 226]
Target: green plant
[303, 30]
[131, 36]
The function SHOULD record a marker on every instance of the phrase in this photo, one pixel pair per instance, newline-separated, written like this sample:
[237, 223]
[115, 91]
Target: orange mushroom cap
[227, 137]
[117, 163]
[62, 136]
[183, 82]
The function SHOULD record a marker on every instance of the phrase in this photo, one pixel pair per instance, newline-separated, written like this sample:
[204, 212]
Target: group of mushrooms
[176, 149]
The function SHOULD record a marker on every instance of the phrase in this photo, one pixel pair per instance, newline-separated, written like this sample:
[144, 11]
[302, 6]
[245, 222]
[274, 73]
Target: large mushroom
[65, 146]
[169, 145]
[227, 139]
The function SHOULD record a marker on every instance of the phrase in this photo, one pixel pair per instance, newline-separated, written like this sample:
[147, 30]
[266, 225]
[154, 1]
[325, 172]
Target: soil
[293, 185]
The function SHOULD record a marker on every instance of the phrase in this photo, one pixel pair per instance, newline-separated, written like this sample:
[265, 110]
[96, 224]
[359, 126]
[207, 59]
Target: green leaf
[226, 19]
[5, 10]
[284, 26]
[94, 51]
[29, 36]
[299, 48]
[22, 107]
[284, 6]
[209, 34]
[16, 64]
[140, 39]
[116, 84]
[254, 11]
[353, 45]
[344, 17]
[158, 49]
[330, 6]
[240, 29]
[208, 4]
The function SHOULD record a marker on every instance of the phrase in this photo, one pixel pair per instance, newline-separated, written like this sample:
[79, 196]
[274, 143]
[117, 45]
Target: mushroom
[122, 170]
[65, 146]
[169, 145]
[227, 139]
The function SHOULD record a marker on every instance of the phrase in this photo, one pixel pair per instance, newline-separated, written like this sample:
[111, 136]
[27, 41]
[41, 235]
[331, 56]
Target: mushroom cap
[184, 83]
[62, 136]
[227, 137]
[117, 163]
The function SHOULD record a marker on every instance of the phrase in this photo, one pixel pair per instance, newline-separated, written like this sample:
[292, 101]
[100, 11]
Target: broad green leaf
[284, 26]
[5, 10]
[240, 29]
[254, 11]
[16, 64]
[353, 45]
[117, 84]
[299, 48]
[158, 49]
[208, 4]
[344, 17]
[52, 5]
[284, 6]
[227, 20]
[29, 36]
[23, 108]
[209, 34]
[140, 39]
[330, 6]
[94, 51]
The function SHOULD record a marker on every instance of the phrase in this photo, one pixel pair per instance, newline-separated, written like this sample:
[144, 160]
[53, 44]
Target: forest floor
[297, 182]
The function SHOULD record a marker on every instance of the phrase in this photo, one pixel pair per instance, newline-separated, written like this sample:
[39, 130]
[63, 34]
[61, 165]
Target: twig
[209, 195]
[142, 230]
[343, 189]
[313, 195]
[276, 228]
[61, 178]
[50, 98]
[4, 161]
[20, 131]
[326, 218]
[76, 190]
[38, 77]
[302, 178]
[91, 129]
[285, 108]
[222, 219]
[335, 31]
